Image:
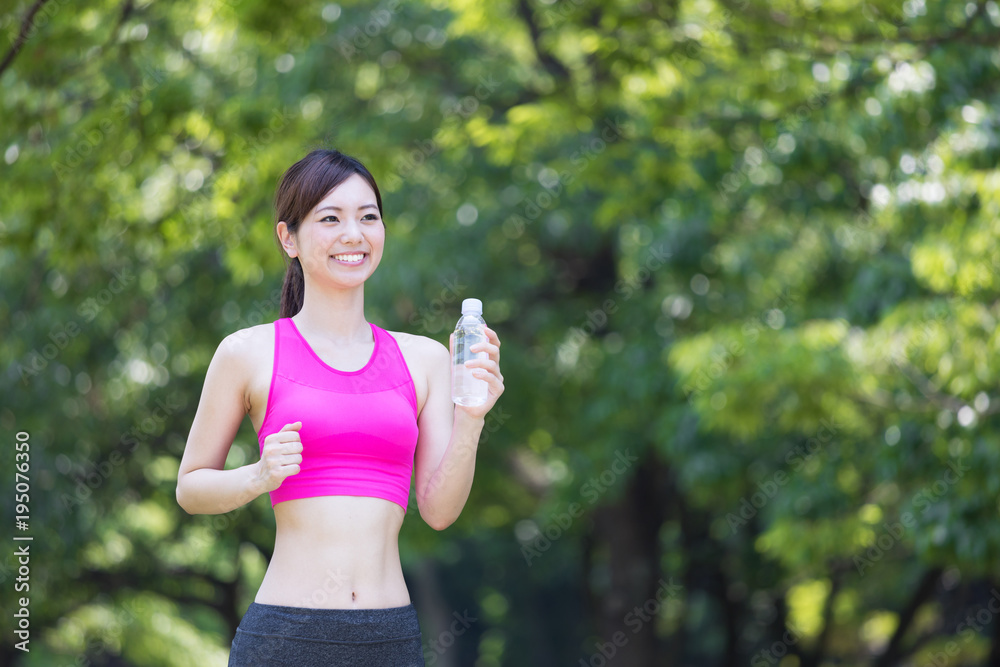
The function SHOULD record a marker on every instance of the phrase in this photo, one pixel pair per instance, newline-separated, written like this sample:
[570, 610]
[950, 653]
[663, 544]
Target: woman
[345, 412]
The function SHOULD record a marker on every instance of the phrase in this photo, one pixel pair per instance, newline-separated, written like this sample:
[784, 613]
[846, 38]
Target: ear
[287, 240]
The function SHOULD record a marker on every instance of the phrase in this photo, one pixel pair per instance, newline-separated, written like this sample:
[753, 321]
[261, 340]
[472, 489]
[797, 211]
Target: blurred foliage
[741, 255]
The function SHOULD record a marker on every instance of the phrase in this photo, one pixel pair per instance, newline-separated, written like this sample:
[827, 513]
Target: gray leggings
[272, 635]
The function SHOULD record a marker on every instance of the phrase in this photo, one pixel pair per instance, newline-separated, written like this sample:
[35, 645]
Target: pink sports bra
[359, 428]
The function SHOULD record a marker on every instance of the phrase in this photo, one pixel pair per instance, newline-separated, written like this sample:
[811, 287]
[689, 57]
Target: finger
[292, 447]
[492, 335]
[489, 348]
[488, 367]
[282, 467]
[281, 455]
[291, 427]
[492, 378]
[283, 437]
[487, 364]
[291, 470]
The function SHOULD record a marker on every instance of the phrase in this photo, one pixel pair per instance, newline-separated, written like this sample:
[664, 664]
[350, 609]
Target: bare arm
[203, 486]
[449, 437]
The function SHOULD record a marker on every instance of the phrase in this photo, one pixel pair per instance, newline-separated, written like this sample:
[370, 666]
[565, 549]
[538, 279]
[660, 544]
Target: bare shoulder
[246, 344]
[249, 354]
[420, 348]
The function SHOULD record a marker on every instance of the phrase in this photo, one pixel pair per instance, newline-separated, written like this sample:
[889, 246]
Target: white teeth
[349, 258]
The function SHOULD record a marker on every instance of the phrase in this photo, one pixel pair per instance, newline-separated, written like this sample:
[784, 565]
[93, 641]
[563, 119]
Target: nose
[351, 232]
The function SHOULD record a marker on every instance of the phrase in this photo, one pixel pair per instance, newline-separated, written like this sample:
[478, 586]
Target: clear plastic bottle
[467, 389]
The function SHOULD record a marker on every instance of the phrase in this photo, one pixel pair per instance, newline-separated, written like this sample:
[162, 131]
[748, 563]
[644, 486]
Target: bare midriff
[336, 552]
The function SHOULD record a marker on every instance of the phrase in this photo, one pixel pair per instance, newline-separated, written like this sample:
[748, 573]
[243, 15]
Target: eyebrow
[337, 208]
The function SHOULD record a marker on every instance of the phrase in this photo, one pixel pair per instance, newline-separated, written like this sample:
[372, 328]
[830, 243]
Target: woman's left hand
[484, 369]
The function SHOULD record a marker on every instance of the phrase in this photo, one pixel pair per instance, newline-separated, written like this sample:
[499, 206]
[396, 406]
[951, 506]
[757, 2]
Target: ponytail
[293, 290]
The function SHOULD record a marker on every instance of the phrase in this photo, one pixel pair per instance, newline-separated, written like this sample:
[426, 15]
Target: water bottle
[467, 389]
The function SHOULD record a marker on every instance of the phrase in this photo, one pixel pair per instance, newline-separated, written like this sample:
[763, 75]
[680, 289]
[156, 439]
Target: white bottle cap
[472, 306]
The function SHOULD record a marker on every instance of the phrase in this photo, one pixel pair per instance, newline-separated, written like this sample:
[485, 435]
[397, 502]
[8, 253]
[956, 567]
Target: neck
[335, 314]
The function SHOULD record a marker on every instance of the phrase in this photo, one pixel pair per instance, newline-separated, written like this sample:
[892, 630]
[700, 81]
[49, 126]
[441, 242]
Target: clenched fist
[280, 457]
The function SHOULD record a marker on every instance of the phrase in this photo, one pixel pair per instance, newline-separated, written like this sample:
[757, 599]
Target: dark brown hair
[301, 188]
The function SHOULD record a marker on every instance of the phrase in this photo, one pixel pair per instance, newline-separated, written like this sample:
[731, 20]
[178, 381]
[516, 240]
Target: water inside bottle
[466, 388]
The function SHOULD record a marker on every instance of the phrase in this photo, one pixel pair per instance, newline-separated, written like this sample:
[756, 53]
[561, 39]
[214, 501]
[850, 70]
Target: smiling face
[343, 226]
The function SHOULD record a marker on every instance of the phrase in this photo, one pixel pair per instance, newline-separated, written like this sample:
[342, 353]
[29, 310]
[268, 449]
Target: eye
[333, 217]
[370, 216]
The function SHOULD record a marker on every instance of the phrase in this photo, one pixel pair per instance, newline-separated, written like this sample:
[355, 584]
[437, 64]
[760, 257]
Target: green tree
[740, 255]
